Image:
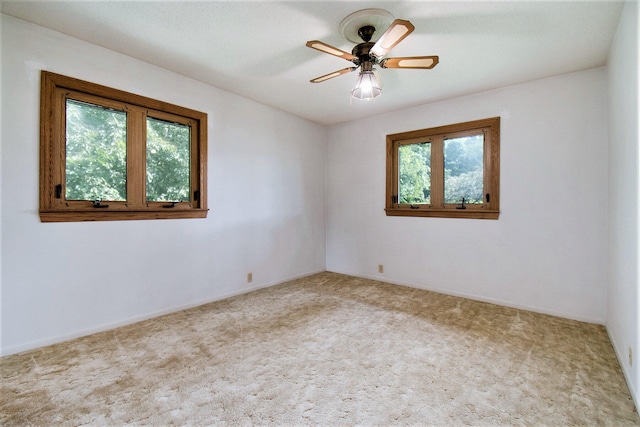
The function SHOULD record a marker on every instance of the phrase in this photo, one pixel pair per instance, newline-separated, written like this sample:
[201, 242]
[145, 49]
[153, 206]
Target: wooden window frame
[55, 90]
[489, 209]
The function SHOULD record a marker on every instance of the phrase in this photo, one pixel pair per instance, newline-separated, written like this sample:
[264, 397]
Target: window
[450, 171]
[106, 155]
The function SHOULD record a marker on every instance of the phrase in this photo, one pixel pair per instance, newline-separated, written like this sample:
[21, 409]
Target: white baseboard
[135, 319]
[476, 298]
[105, 327]
[625, 370]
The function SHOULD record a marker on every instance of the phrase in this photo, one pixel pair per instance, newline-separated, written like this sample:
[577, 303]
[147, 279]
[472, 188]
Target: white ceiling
[257, 49]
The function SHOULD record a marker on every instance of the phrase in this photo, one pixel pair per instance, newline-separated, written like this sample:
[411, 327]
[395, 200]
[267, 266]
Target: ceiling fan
[366, 53]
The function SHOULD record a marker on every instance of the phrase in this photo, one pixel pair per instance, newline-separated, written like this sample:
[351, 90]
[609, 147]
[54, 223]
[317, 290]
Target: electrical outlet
[380, 268]
[249, 277]
[630, 356]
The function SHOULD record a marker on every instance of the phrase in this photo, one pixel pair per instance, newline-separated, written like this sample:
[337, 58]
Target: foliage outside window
[450, 171]
[112, 155]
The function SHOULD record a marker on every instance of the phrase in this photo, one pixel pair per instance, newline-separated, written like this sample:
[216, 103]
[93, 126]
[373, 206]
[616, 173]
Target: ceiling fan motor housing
[362, 50]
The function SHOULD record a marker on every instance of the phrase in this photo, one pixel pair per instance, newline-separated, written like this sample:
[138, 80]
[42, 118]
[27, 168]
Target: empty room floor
[326, 349]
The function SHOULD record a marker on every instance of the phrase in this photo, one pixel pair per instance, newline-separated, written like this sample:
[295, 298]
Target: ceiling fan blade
[323, 47]
[334, 74]
[423, 62]
[397, 31]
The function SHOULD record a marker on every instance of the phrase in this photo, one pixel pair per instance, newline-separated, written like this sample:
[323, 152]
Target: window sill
[77, 216]
[445, 213]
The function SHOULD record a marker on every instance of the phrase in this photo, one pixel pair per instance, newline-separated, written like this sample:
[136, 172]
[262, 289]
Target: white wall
[266, 183]
[623, 318]
[547, 252]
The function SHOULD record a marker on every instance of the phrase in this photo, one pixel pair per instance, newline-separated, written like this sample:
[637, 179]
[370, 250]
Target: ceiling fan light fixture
[367, 86]
[361, 25]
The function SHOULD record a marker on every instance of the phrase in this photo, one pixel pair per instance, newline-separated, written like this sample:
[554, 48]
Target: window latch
[98, 204]
[462, 206]
[414, 207]
[170, 205]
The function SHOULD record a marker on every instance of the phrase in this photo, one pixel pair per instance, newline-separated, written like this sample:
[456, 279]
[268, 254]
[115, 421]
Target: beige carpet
[330, 350]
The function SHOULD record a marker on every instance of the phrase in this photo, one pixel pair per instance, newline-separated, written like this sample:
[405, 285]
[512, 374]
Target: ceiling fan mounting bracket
[376, 18]
[366, 32]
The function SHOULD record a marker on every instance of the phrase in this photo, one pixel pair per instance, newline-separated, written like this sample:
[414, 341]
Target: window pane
[168, 161]
[463, 169]
[96, 153]
[414, 173]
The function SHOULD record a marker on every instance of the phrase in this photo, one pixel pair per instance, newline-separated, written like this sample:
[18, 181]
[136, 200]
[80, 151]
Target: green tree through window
[414, 165]
[96, 153]
[450, 171]
[107, 155]
[463, 172]
[168, 161]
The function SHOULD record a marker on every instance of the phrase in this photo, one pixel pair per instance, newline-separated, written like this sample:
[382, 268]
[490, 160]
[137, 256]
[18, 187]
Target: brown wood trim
[136, 157]
[445, 213]
[456, 127]
[437, 172]
[72, 83]
[391, 172]
[436, 135]
[55, 89]
[202, 138]
[74, 216]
